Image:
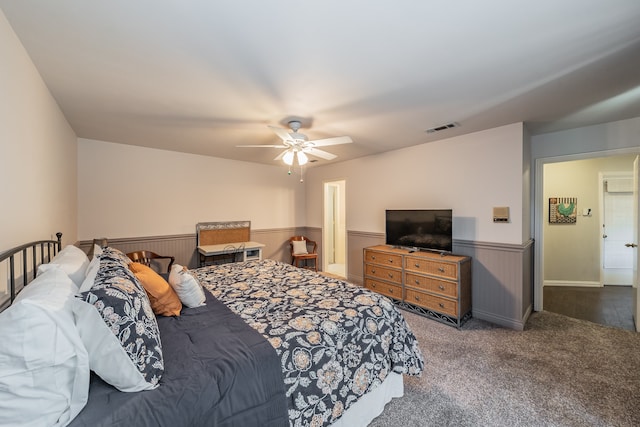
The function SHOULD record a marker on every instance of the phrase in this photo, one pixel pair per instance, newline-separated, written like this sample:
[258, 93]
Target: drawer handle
[416, 297]
[441, 270]
[441, 287]
[373, 257]
[391, 290]
[441, 305]
[391, 275]
[390, 261]
[373, 270]
[417, 282]
[373, 285]
[417, 265]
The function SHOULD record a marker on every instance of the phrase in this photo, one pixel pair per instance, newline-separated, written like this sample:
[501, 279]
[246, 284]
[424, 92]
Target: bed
[271, 345]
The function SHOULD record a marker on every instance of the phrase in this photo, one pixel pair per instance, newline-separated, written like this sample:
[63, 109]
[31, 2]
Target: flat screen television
[420, 229]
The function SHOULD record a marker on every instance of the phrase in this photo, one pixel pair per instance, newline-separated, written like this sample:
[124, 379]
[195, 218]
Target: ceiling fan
[297, 145]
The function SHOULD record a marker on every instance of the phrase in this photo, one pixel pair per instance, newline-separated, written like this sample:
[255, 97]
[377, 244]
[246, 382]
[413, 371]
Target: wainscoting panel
[315, 234]
[183, 247]
[502, 281]
[356, 242]
[277, 242]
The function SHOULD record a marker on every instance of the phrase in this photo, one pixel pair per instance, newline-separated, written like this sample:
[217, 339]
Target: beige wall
[37, 153]
[572, 251]
[129, 191]
[470, 174]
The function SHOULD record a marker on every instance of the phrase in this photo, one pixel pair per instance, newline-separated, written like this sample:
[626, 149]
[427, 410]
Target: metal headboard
[38, 252]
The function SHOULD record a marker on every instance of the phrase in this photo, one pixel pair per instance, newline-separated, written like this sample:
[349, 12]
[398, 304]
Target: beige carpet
[557, 372]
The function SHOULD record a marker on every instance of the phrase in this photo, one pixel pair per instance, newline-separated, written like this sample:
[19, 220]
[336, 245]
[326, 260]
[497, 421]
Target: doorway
[617, 228]
[570, 257]
[334, 230]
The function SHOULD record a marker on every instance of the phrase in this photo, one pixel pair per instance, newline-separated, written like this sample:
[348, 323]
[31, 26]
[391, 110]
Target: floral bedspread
[336, 340]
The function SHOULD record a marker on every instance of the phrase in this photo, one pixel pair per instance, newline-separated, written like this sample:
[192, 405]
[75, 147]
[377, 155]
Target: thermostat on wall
[501, 214]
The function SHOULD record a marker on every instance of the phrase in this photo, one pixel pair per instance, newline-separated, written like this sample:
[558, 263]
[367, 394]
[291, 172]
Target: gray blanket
[218, 372]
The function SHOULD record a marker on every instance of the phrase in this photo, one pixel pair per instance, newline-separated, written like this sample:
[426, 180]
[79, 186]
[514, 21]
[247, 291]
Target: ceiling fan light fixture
[302, 158]
[297, 145]
[288, 158]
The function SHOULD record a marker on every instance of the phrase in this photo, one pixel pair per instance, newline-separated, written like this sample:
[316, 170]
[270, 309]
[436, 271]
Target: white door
[634, 244]
[617, 229]
[334, 229]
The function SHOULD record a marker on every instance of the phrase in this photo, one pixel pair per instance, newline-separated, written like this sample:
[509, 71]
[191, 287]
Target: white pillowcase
[107, 358]
[73, 261]
[92, 272]
[44, 367]
[97, 251]
[300, 247]
[187, 287]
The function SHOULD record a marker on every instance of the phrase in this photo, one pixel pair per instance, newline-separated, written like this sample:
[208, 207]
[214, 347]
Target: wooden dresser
[432, 284]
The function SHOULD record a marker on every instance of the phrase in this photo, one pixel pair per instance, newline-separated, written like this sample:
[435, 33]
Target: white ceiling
[203, 76]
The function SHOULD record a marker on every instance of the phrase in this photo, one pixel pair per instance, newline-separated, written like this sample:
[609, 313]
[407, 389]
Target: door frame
[538, 212]
[636, 237]
[332, 244]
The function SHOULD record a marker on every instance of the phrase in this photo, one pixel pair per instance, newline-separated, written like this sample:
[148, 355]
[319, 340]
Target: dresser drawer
[437, 268]
[388, 274]
[432, 302]
[388, 289]
[391, 260]
[441, 287]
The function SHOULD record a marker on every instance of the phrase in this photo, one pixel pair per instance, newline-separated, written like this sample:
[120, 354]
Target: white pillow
[92, 271]
[186, 286]
[97, 251]
[107, 357]
[44, 367]
[299, 247]
[73, 261]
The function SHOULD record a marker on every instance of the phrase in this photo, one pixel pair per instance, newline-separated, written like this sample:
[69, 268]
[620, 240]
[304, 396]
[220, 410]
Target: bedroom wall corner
[129, 192]
[38, 154]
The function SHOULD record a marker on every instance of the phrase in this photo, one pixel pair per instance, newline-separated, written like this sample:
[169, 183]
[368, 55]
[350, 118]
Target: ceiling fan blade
[330, 141]
[319, 153]
[282, 133]
[279, 156]
[262, 146]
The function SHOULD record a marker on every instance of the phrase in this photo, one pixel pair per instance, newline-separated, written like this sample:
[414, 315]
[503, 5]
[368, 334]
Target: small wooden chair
[303, 252]
[147, 257]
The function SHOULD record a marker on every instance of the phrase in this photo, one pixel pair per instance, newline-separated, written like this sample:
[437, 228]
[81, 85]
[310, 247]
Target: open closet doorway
[572, 260]
[334, 230]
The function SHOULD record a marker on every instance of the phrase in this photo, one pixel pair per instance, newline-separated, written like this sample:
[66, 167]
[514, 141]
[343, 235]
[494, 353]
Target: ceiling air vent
[442, 127]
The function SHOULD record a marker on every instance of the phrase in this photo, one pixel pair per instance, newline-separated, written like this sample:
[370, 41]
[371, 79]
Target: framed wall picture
[563, 210]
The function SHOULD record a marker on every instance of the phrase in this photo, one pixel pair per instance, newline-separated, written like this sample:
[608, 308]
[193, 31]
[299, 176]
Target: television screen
[420, 228]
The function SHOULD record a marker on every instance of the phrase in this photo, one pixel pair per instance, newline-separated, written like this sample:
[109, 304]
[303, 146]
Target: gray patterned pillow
[123, 307]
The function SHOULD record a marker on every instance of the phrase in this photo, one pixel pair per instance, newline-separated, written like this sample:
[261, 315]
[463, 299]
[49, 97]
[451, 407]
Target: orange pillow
[164, 300]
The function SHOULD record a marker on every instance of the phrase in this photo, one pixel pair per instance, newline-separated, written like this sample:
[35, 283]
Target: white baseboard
[585, 284]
